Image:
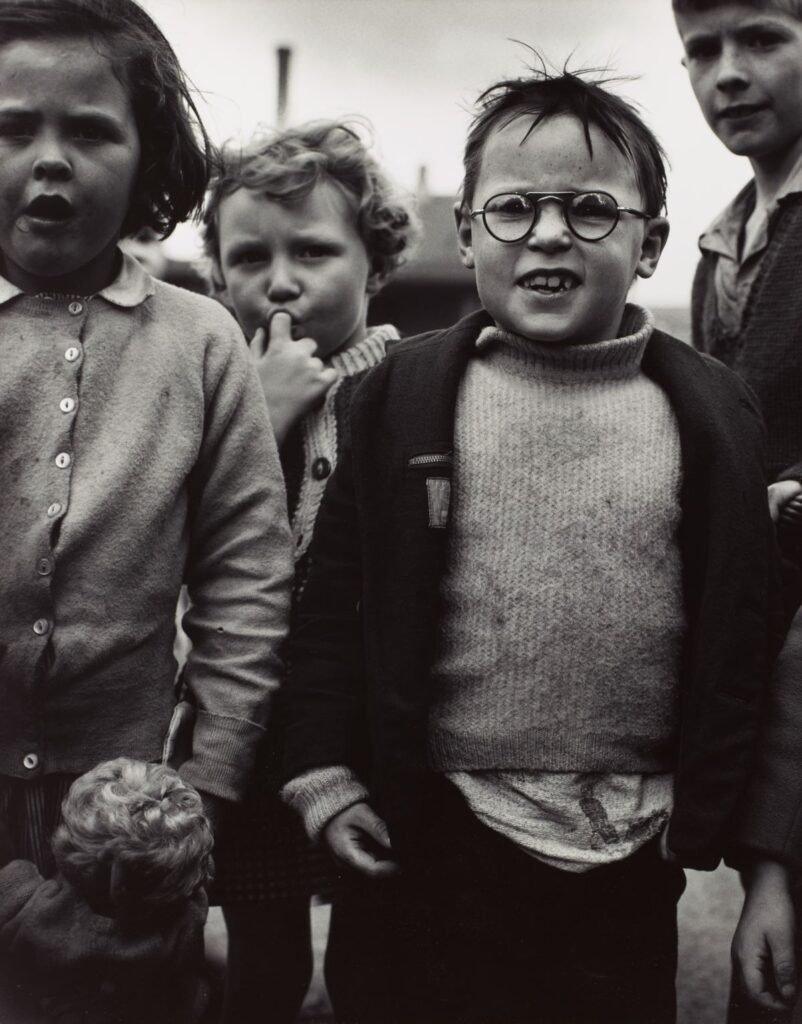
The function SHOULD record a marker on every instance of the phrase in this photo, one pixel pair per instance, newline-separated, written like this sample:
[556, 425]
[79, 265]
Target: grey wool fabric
[563, 619]
[137, 453]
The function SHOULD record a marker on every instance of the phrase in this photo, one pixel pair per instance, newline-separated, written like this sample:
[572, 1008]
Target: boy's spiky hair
[286, 165]
[175, 151]
[542, 95]
[134, 836]
[792, 7]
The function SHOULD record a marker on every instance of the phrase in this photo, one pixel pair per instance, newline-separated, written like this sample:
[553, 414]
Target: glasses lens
[509, 217]
[592, 215]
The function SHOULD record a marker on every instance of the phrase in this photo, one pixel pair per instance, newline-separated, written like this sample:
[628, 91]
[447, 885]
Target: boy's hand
[358, 837]
[763, 944]
[780, 494]
[293, 379]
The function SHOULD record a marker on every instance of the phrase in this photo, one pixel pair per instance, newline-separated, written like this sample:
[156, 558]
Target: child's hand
[763, 944]
[293, 379]
[780, 494]
[358, 837]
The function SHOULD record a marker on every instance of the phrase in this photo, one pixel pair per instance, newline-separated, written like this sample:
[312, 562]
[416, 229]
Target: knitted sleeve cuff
[222, 754]
[320, 794]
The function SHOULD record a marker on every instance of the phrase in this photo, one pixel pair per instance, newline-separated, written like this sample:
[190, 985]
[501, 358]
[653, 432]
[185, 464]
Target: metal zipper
[441, 459]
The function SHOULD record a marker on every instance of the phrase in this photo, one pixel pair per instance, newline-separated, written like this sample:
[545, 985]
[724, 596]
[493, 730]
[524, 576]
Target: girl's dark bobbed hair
[176, 153]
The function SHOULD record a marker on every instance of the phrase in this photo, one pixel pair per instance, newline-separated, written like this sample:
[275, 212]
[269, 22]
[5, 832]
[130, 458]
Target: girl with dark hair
[137, 448]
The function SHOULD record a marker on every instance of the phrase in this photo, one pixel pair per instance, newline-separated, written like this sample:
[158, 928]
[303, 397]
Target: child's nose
[51, 163]
[550, 230]
[282, 284]
[732, 71]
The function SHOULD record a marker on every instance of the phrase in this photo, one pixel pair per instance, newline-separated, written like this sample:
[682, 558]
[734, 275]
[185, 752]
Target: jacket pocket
[428, 488]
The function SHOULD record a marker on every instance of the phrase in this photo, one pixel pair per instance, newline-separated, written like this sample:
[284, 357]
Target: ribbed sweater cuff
[321, 794]
[223, 750]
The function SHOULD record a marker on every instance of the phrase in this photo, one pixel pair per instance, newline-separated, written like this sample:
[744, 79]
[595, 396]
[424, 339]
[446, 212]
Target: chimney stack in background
[284, 53]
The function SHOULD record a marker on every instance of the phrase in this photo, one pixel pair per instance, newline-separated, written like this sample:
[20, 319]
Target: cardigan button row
[30, 761]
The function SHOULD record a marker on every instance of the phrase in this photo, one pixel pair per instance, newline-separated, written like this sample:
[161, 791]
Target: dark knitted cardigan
[767, 351]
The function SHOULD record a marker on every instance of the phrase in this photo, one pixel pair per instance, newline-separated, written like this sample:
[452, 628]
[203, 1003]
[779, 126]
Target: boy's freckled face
[305, 257]
[555, 157]
[745, 68]
[69, 155]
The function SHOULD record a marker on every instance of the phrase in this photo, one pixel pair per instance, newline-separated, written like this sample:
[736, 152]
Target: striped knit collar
[616, 357]
[366, 354]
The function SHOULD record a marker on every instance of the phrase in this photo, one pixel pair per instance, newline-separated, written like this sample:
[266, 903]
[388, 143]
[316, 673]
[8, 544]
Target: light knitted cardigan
[136, 452]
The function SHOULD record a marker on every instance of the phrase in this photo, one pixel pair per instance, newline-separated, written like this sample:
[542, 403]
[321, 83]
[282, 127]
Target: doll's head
[134, 838]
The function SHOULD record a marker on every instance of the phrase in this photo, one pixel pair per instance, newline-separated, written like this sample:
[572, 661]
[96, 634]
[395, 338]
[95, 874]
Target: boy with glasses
[544, 558]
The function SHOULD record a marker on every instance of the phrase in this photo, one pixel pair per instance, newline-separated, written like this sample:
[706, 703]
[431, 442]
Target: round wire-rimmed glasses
[591, 216]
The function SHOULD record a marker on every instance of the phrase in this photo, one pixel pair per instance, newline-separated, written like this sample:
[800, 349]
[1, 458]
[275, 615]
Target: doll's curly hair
[286, 165]
[134, 835]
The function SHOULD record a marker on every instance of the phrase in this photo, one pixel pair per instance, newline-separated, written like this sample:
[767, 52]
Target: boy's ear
[464, 233]
[654, 240]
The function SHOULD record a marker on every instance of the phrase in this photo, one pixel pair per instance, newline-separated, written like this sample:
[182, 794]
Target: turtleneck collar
[613, 358]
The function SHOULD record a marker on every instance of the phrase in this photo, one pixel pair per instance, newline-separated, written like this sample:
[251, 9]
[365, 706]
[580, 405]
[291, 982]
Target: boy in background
[537, 619]
[744, 62]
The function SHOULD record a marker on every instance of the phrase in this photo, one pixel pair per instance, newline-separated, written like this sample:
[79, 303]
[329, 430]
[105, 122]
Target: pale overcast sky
[413, 68]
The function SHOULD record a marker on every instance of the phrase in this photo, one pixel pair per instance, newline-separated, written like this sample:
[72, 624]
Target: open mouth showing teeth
[550, 284]
[49, 208]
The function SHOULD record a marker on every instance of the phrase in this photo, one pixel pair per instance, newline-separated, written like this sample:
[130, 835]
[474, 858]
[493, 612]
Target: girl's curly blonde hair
[286, 165]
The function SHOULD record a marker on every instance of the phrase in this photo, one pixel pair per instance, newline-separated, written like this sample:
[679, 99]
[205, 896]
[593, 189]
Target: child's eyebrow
[244, 245]
[95, 118]
[761, 24]
[10, 111]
